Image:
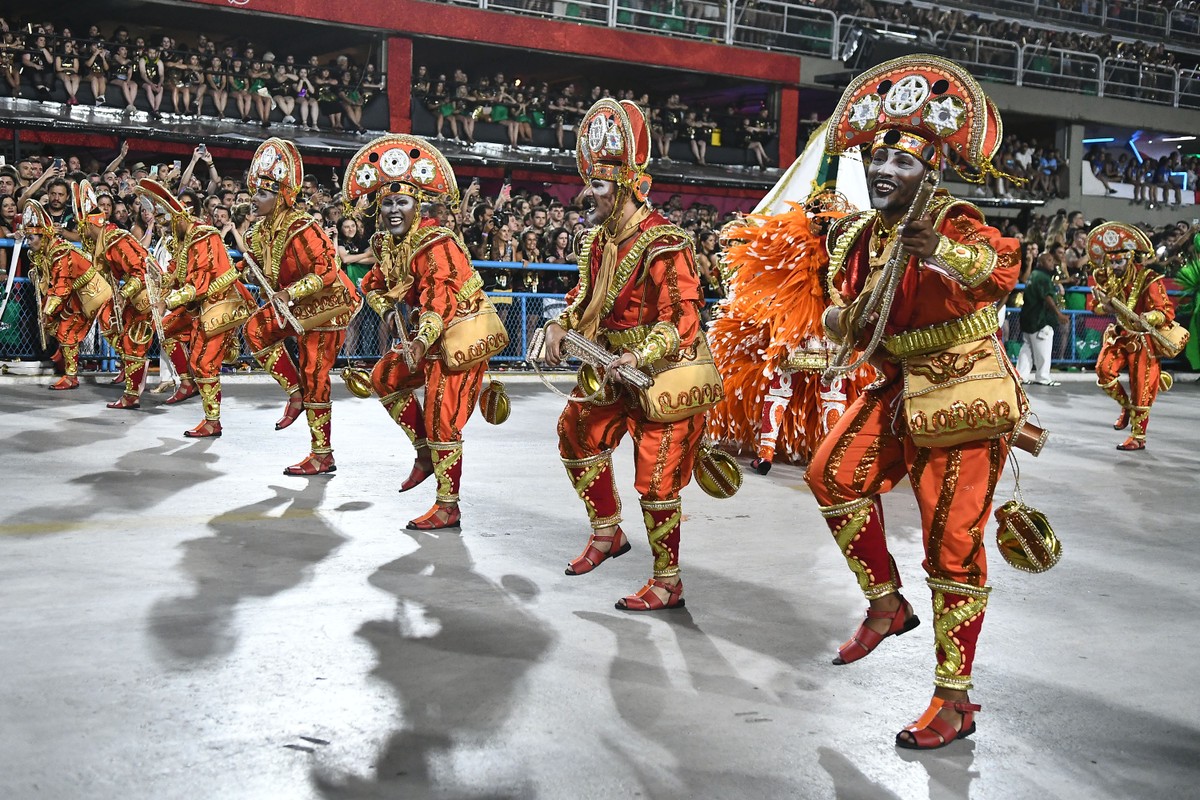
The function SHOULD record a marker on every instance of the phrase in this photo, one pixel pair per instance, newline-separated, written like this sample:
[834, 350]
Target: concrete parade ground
[181, 620]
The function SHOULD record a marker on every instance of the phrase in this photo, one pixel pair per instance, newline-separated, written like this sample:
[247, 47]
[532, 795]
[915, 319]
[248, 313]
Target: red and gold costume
[122, 258]
[767, 339]
[295, 254]
[206, 304]
[941, 330]
[1126, 346]
[428, 270]
[638, 292]
[73, 292]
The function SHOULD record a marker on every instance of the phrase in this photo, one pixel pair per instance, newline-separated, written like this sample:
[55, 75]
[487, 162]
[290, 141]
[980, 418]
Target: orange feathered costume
[768, 338]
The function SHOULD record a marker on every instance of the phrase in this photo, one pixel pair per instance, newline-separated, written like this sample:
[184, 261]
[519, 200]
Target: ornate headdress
[85, 204]
[614, 145]
[920, 104]
[277, 168]
[35, 220]
[1116, 237]
[400, 164]
[166, 202]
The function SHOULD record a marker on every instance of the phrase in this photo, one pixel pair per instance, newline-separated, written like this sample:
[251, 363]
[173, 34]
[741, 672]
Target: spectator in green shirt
[1039, 316]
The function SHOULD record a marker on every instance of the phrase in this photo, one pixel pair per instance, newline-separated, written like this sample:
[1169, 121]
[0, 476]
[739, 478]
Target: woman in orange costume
[767, 339]
[639, 297]
[1116, 251]
[942, 321]
[300, 265]
[426, 267]
[201, 277]
[65, 277]
[119, 254]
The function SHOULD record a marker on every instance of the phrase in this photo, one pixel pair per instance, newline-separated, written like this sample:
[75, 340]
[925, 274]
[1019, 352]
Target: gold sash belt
[923, 341]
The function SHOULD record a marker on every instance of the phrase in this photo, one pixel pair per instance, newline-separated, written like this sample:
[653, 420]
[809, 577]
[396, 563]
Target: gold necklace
[881, 236]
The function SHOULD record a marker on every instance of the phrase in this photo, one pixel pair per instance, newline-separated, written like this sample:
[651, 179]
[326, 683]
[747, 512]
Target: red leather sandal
[315, 464]
[125, 401]
[931, 731]
[186, 389]
[118, 379]
[291, 412]
[865, 640]
[647, 600]
[1132, 444]
[1122, 421]
[437, 518]
[209, 429]
[593, 556]
[417, 476]
[64, 383]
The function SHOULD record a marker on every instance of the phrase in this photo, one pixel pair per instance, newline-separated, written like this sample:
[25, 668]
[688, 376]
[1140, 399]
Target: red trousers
[318, 351]
[866, 454]
[665, 452]
[1132, 354]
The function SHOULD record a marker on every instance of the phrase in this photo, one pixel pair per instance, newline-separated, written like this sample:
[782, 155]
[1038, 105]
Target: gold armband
[1155, 318]
[181, 296]
[310, 284]
[663, 340]
[131, 288]
[379, 302]
[564, 320]
[53, 303]
[429, 328]
[968, 264]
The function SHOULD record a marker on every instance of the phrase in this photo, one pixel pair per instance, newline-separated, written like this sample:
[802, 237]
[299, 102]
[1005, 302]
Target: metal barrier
[783, 25]
[1064, 70]
[1133, 80]
[788, 27]
[989, 59]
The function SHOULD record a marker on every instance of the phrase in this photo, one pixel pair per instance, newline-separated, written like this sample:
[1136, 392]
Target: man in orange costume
[426, 267]
[73, 293]
[638, 295]
[122, 257]
[206, 305]
[1117, 251]
[942, 320]
[300, 265]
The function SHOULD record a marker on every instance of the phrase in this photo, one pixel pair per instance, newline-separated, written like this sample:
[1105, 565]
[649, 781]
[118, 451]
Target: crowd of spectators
[171, 78]
[524, 226]
[1155, 181]
[457, 103]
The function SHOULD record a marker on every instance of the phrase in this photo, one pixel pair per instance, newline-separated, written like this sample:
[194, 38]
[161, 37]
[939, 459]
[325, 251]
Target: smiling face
[893, 177]
[398, 212]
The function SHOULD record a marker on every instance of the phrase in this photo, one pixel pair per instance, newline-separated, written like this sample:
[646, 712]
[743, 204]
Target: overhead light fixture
[1180, 139]
[1100, 140]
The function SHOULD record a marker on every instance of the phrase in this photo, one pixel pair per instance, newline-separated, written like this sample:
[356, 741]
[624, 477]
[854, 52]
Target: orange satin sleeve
[1155, 298]
[207, 261]
[672, 286]
[374, 281]
[310, 252]
[67, 268]
[129, 254]
[440, 271]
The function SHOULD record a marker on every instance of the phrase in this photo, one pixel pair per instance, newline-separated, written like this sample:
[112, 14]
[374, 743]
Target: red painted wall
[418, 18]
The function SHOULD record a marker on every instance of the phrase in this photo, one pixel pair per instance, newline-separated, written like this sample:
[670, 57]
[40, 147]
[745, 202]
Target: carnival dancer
[767, 339]
[307, 296]
[71, 292]
[638, 296]
[206, 304]
[920, 274]
[1124, 286]
[121, 258]
[425, 266]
